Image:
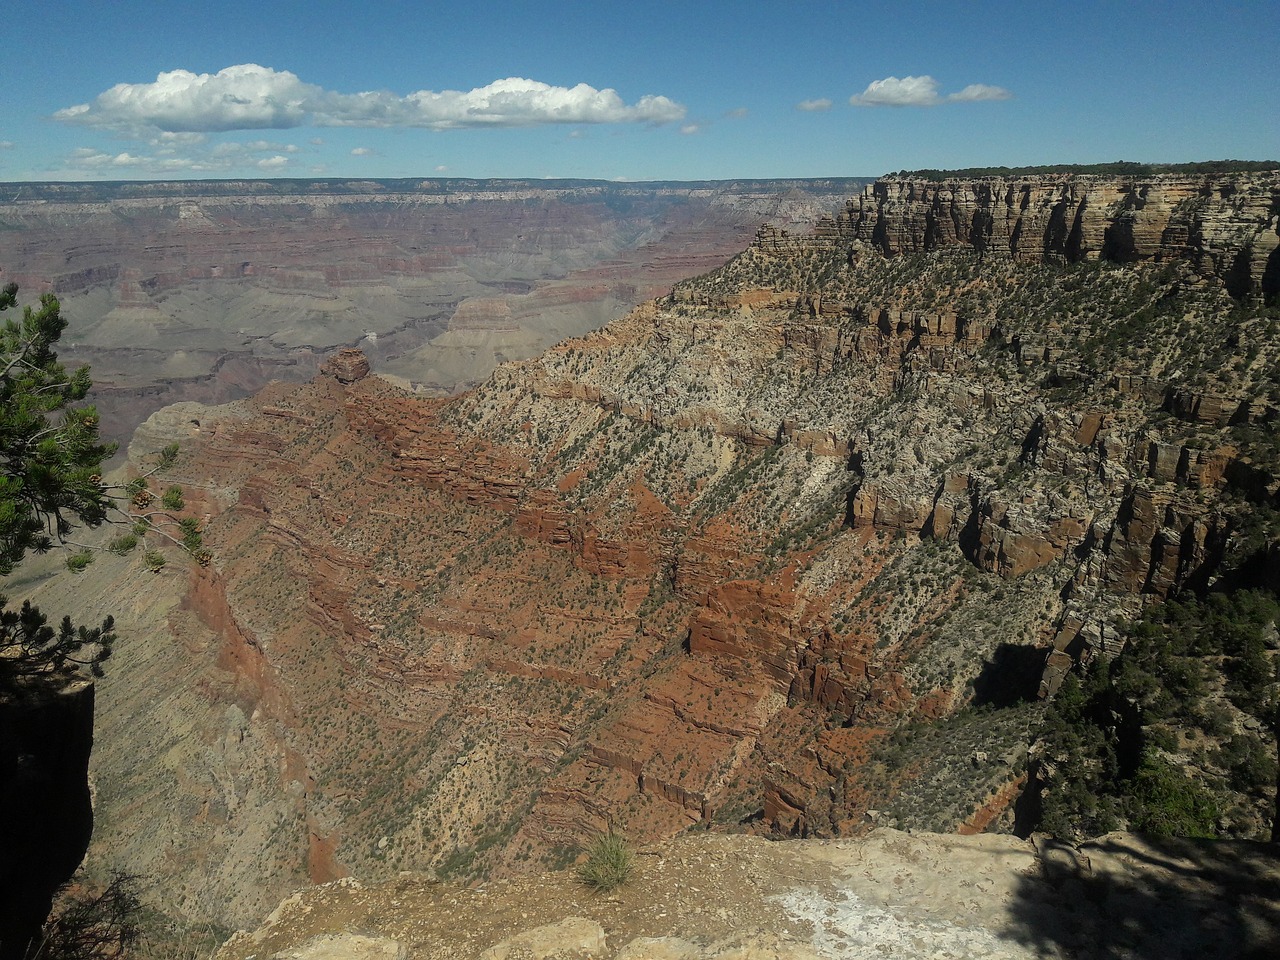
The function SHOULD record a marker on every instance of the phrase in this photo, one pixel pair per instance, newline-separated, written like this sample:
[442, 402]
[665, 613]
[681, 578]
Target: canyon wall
[1221, 225]
[794, 549]
[206, 291]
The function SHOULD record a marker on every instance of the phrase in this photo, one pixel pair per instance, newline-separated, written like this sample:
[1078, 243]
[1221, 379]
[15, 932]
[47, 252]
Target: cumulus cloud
[243, 97]
[185, 154]
[362, 152]
[980, 91]
[812, 106]
[892, 92]
[237, 149]
[248, 97]
[921, 92]
[89, 160]
[689, 129]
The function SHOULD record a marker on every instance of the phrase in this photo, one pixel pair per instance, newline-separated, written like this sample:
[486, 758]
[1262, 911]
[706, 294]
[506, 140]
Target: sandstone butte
[743, 560]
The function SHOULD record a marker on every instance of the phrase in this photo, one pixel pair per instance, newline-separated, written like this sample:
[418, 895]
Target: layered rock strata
[743, 558]
[206, 291]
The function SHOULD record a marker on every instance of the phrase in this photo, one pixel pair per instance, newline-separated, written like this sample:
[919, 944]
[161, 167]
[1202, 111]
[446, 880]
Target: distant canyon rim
[208, 290]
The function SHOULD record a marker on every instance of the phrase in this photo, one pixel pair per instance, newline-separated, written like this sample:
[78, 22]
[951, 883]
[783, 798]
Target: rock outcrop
[347, 365]
[1223, 225]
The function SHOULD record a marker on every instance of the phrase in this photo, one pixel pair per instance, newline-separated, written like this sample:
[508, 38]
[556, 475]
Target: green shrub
[608, 864]
[1170, 804]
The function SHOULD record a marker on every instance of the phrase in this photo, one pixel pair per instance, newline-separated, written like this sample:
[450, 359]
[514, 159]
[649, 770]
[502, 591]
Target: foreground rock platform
[892, 894]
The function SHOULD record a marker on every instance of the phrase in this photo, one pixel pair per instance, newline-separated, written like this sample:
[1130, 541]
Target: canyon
[208, 290]
[798, 548]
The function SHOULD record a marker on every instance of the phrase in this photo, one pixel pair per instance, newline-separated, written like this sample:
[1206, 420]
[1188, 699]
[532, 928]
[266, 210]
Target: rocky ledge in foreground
[892, 894]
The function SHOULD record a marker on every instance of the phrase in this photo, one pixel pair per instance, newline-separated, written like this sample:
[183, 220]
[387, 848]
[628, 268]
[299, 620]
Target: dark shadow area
[1118, 244]
[968, 538]
[1011, 676]
[46, 815]
[1271, 279]
[1238, 278]
[880, 236]
[1075, 239]
[1259, 571]
[1028, 810]
[1121, 896]
[980, 232]
[856, 471]
[1032, 442]
[930, 230]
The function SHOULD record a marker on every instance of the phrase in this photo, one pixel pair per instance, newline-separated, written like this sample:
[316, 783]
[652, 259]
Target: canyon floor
[889, 895]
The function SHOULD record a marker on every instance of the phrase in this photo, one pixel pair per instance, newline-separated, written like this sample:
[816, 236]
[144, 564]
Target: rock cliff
[791, 550]
[1224, 226]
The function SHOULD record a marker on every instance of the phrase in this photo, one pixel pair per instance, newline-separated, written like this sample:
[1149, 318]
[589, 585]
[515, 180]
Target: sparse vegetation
[1176, 735]
[608, 864]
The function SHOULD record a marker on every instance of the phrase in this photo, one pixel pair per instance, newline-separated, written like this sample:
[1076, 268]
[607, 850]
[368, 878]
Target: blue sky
[637, 91]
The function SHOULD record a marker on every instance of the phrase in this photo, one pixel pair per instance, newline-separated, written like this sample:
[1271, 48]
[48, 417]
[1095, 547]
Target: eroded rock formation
[347, 365]
[207, 291]
[741, 558]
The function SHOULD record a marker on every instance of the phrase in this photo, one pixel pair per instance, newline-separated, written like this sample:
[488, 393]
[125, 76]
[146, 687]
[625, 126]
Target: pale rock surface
[346, 946]
[748, 947]
[570, 939]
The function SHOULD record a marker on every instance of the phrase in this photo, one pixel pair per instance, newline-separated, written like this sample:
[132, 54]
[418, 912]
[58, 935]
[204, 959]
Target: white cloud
[892, 92]
[86, 159]
[689, 129]
[182, 139]
[248, 96]
[243, 97]
[980, 91]
[362, 152]
[921, 92]
[737, 113]
[184, 157]
[814, 105]
[6, 144]
[235, 148]
[441, 168]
